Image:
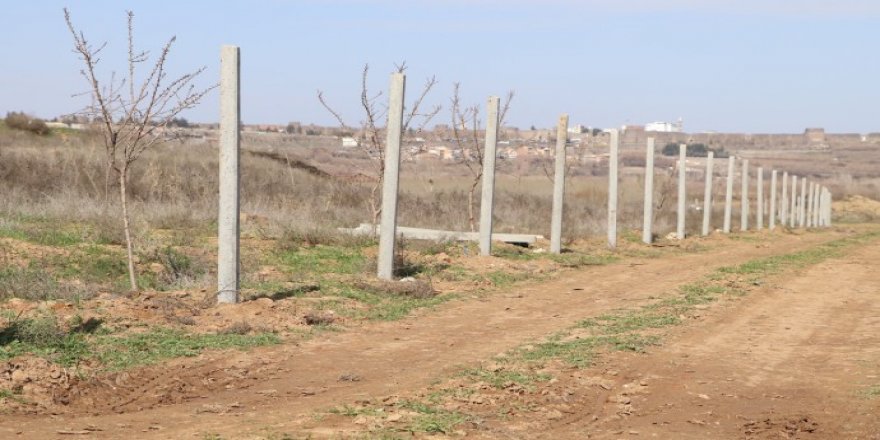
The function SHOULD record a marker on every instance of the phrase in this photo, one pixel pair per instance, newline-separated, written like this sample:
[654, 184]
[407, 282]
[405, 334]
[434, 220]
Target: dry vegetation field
[525, 344]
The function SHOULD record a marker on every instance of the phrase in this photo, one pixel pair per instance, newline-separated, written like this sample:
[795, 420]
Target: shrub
[21, 121]
[694, 150]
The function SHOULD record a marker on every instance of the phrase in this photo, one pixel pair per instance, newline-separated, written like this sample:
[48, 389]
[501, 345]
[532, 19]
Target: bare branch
[330, 109]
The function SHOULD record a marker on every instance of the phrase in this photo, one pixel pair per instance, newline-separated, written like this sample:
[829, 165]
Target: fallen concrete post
[525, 240]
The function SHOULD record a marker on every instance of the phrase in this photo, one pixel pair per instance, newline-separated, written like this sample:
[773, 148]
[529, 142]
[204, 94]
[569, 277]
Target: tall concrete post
[728, 196]
[391, 177]
[488, 196]
[827, 211]
[816, 198]
[647, 226]
[707, 195]
[744, 203]
[792, 214]
[830, 209]
[682, 190]
[803, 209]
[772, 200]
[759, 195]
[810, 193]
[613, 163]
[784, 201]
[558, 186]
[229, 174]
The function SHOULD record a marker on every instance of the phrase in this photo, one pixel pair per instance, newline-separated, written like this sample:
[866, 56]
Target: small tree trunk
[471, 204]
[375, 207]
[123, 178]
[107, 170]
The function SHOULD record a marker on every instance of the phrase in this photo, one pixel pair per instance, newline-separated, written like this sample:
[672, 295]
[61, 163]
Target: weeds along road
[281, 387]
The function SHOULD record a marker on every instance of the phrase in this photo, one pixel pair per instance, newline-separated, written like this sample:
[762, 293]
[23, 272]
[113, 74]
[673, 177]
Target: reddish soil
[785, 362]
[794, 359]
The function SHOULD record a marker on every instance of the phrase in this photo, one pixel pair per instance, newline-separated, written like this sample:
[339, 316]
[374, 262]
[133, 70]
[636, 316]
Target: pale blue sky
[746, 65]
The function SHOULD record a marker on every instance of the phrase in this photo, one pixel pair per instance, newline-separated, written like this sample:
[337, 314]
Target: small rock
[553, 415]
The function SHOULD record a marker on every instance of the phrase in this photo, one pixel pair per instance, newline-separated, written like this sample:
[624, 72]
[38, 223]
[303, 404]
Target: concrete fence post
[647, 225]
[792, 214]
[707, 195]
[613, 163]
[558, 185]
[830, 208]
[759, 195]
[744, 202]
[783, 209]
[826, 205]
[229, 175]
[682, 191]
[803, 209]
[488, 196]
[772, 220]
[391, 177]
[728, 196]
[810, 193]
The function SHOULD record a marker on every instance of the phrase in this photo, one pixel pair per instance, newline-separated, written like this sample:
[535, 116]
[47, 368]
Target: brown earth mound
[856, 209]
[35, 383]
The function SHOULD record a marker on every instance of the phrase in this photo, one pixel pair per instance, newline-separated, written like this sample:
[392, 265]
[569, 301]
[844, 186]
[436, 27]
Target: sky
[760, 66]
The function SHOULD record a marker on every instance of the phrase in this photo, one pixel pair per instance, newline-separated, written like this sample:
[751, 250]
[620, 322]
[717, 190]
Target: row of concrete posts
[807, 208]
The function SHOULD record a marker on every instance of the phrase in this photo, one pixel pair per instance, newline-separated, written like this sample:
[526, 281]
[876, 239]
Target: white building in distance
[665, 127]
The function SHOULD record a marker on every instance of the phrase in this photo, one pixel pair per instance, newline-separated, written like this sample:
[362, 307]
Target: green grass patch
[503, 378]
[378, 306]
[45, 337]
[39, 231]
[575, 259]
[123, 352]
[431, 419]
[322, 259]
[37, 284]
[872, 392]
[500, 278]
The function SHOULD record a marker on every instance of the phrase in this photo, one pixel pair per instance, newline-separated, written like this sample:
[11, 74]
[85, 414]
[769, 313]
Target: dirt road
[779, 358]
[799, 358]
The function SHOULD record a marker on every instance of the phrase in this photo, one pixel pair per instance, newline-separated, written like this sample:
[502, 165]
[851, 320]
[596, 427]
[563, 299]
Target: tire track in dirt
[789, 361]
[389, 358]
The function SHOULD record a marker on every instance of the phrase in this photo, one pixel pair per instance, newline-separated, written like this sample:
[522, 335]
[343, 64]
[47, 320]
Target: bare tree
[133, 114]
[469, 140]
[371, 136]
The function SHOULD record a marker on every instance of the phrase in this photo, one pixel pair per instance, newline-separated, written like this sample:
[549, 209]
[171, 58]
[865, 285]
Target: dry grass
[301, 192]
